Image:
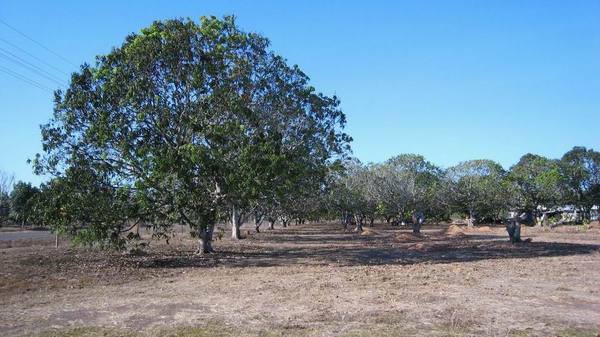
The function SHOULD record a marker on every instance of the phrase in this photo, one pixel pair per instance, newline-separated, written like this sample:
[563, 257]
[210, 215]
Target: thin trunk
[371, 220]
[236, 223]
[536, 221]
[359, 224]
[55, 240]
[359, 227]
[544, 220]
[471, 218]
[257, 222]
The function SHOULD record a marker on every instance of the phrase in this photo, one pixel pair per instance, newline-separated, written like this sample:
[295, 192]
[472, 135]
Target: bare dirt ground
[311, 280]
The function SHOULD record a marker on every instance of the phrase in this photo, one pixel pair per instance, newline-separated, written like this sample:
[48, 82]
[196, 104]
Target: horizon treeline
[480, 191]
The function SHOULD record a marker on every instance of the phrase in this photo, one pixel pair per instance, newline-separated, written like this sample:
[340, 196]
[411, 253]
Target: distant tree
[536, 181]
[21, 202]
[412, 185]
[195, 120]
[360, 183]
[339, 198]
[477, 188]
[6, 184]
[581, 169]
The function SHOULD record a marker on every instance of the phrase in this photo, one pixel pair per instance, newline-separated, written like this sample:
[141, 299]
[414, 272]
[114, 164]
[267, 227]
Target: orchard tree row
[481, 190]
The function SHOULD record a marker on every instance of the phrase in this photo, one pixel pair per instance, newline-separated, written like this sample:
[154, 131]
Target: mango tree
[195, 120]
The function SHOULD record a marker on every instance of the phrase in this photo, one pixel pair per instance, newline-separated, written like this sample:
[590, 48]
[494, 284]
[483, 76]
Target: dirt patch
[455, 230]
[410, 237]
[309, 280]
[368, 232]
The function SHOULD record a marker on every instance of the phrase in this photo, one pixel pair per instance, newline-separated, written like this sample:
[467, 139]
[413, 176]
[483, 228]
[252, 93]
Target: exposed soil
[312, 280]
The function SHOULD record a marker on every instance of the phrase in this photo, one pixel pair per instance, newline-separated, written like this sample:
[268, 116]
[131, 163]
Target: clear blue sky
[452, 80]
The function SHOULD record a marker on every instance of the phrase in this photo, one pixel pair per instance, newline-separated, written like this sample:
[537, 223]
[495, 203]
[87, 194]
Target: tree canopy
[192, 121]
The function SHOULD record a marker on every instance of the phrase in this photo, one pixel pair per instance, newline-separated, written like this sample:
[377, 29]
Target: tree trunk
[471, 219]
[416, 227]
[417, 222]
[544, 220]
[371, 220]
[205, 239]
[236, 223]
[359, 227]
[536, 221]
[345, 220]
[359, 224]
[514, 230]
[271, 224]
[257, 222]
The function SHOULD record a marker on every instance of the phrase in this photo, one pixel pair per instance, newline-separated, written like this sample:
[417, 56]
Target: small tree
[536, 182]
[413, 181]
[84, 206]
[6, 184]
[476, 188]
[21, 202]
[581, 168]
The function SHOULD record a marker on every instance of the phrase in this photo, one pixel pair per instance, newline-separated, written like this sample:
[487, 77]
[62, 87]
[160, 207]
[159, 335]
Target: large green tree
[196, 122]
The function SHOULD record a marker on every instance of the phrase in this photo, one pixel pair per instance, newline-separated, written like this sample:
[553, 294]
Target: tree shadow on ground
[325, 245]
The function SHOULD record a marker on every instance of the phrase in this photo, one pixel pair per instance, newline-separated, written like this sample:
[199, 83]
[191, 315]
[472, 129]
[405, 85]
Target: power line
[30, 66]
[25, 79]
[33, 56]
[38, 43]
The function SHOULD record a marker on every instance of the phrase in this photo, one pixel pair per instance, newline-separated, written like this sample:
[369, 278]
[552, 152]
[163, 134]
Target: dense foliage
[477, 190]
[188, 123]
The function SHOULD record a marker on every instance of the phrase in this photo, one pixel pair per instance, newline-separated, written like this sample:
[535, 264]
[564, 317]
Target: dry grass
[311, 280]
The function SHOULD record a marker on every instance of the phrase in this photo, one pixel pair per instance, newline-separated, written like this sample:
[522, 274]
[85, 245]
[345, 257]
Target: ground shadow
[328, 245]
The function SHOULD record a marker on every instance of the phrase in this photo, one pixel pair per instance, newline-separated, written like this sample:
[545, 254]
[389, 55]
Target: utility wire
[30, 66]
[33, 56]
[39, 44]
[25, 79]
